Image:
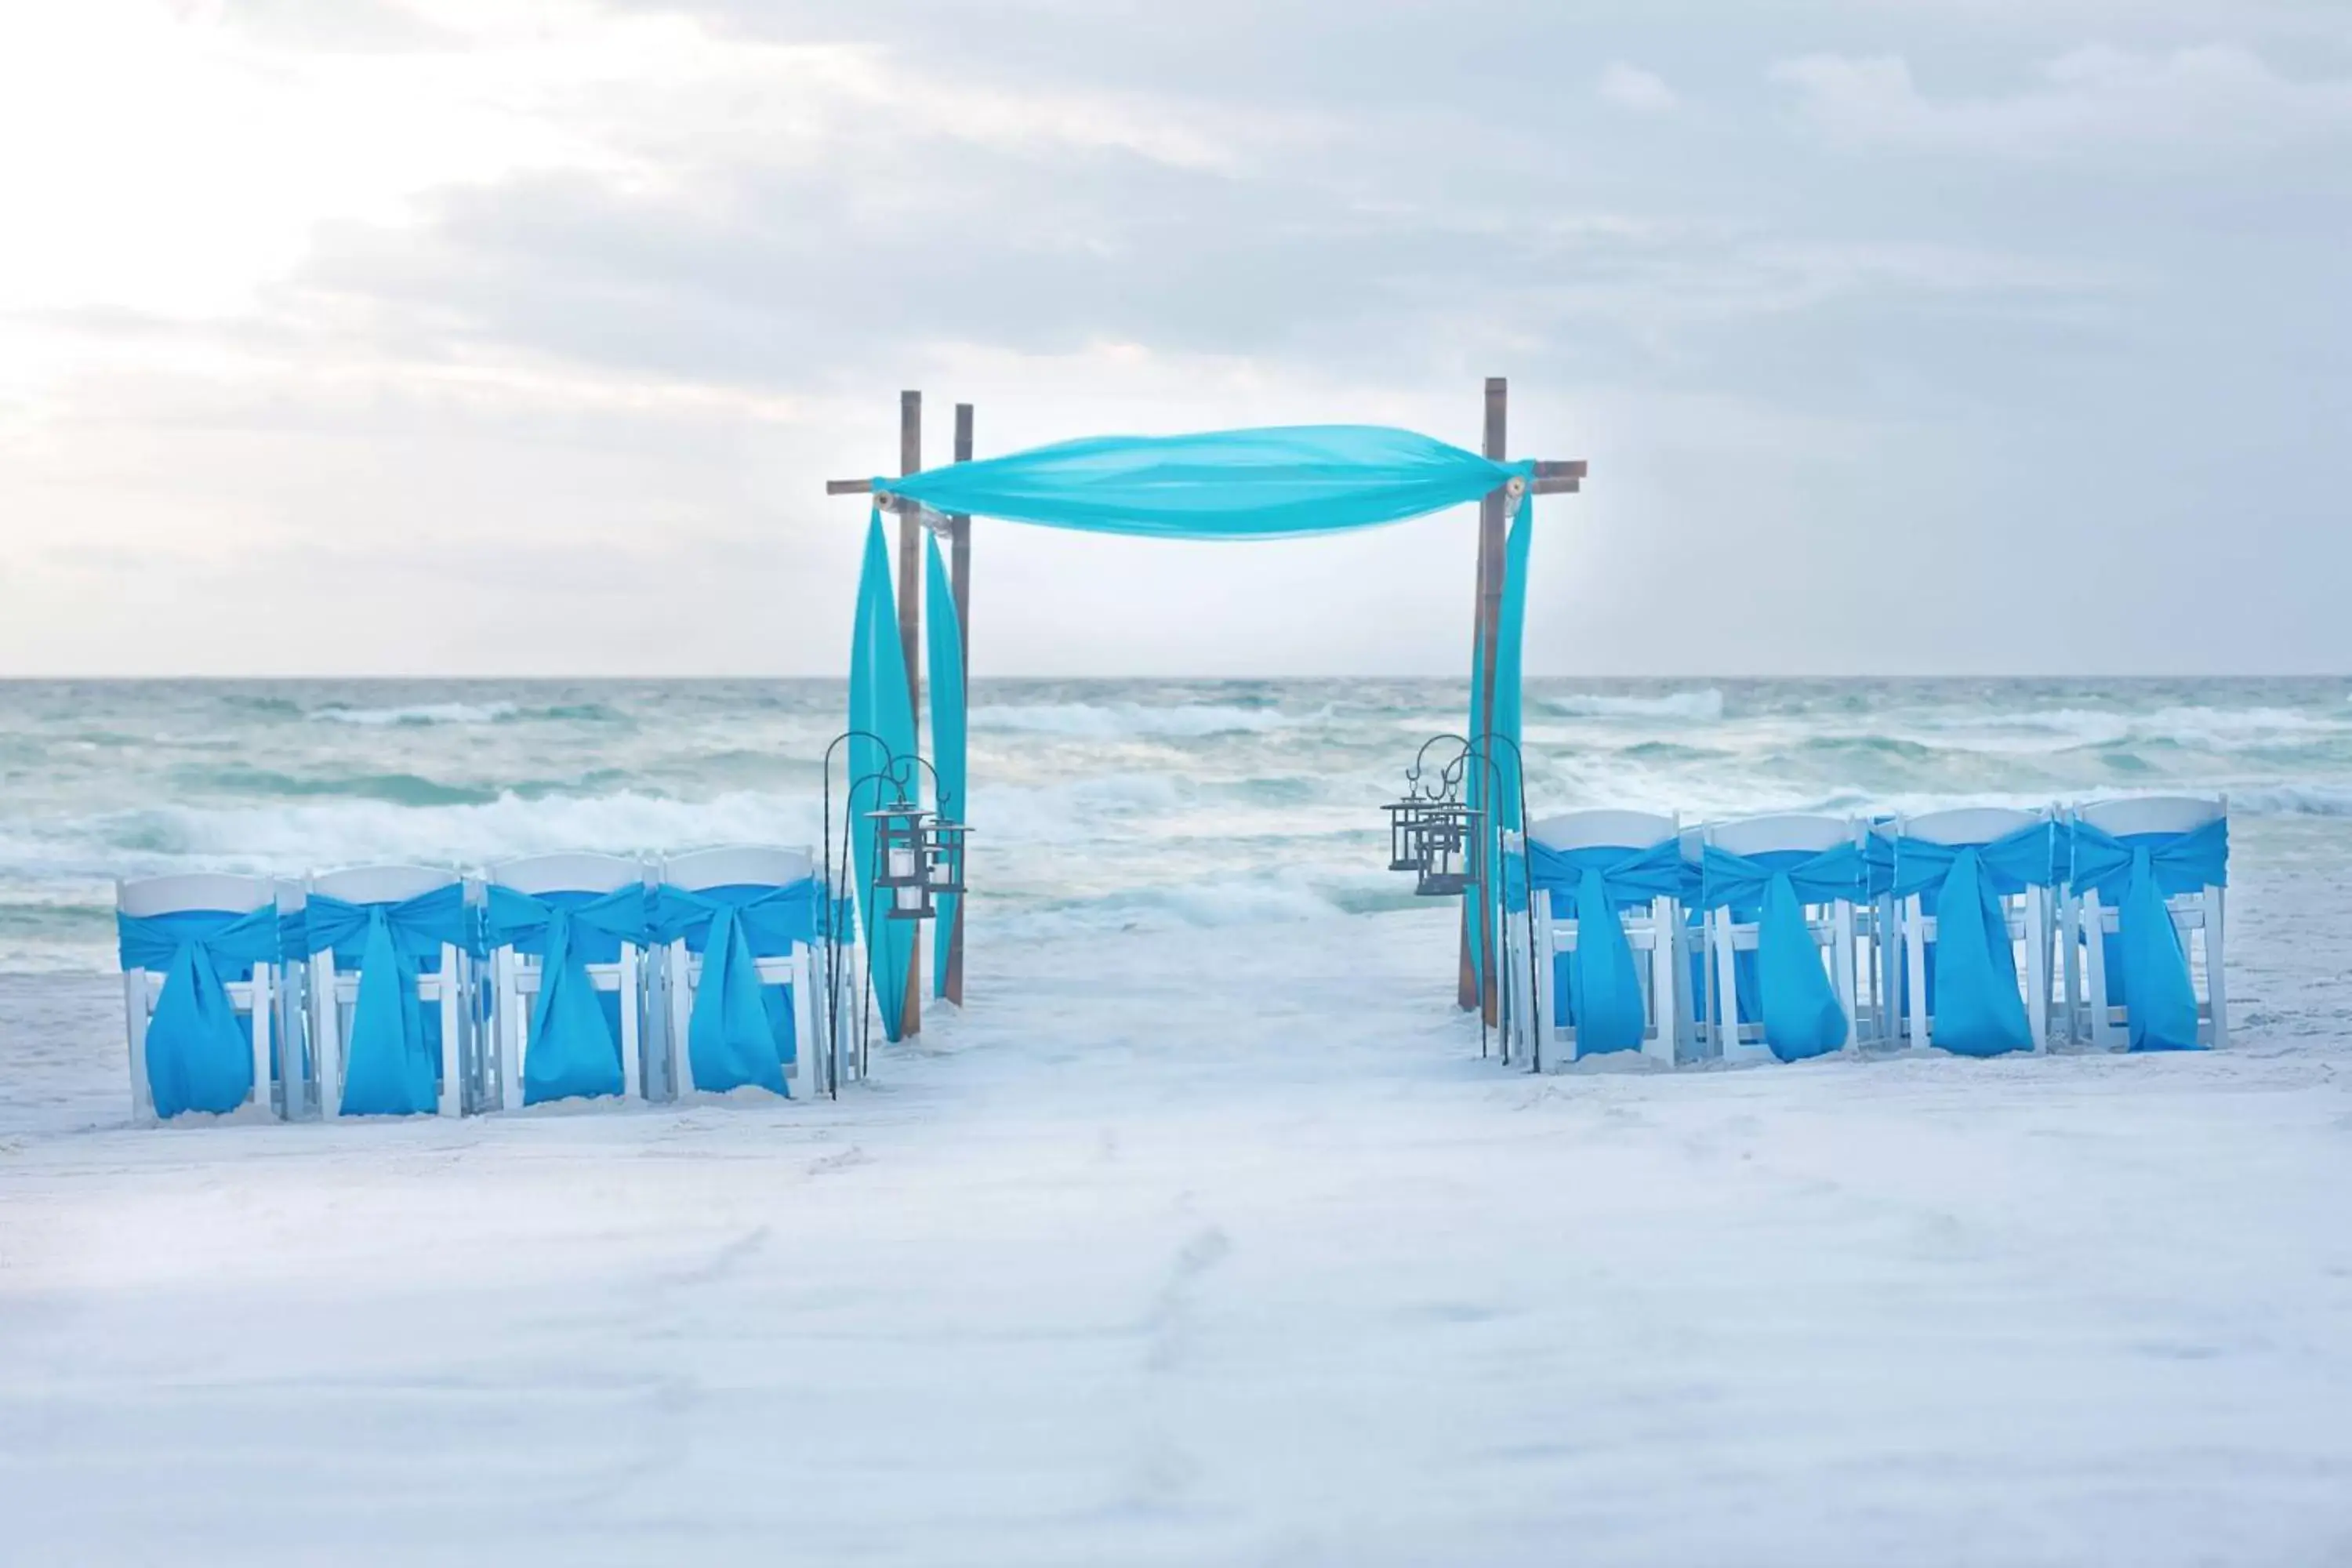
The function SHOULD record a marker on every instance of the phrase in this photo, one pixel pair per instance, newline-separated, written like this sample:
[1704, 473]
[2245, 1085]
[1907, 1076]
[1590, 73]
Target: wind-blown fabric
[1599, 979]
[881, 725]
[732, 1038]
[1974, 999]
[2136, 874]
[1276, 483]
[390, 1065]
[1501, 781]
[571, 1051]
[1800, 1008]
[945, 636]
[199, 1057]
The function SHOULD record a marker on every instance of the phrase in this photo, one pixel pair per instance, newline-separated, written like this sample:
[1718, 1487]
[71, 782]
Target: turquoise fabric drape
[732, 1038]
[882, 724]
[1501, 781]
[2136, 874]
[1974, 1000]
[391, 1067]
[199, 1056]
[1280, 482]
[1599, 985]
[571, 1049]
[945, 637]
[1223, 484]
[1800, 1008]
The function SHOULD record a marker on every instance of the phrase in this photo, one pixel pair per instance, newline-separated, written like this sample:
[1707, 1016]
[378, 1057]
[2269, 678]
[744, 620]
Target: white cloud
[2090, 101]
[1629, 87]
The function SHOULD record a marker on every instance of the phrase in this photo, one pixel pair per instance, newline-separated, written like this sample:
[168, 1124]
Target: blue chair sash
[198, 1056]
[571, 1051]
[1974, 999]
[731, 1039]
[1800, 1012]
[2137, 874]
[390, 1068]
[1599, 981]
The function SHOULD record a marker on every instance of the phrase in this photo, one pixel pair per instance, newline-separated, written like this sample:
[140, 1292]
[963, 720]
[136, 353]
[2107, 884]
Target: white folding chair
[2192, 913]
[188, 893]
[2029, 918]
[290, 1018]
[1878, 955]
[1695, 1011]
[751, 867]
[1654, 934]
[515, 977]
[1831, 925]
[335, 992]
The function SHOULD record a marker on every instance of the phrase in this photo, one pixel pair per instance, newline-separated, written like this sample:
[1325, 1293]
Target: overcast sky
[473, 336]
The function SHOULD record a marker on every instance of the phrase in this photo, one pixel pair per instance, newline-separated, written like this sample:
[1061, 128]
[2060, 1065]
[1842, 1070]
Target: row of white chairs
[1876, 950]
[299, 1009]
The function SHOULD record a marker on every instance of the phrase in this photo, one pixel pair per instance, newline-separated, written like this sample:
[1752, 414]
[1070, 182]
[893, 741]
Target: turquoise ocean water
[1098, 805]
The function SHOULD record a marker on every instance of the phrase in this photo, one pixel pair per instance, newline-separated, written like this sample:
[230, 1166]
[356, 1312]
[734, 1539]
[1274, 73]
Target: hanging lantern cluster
[917, 856]
[1437, 841]
[1433, 832]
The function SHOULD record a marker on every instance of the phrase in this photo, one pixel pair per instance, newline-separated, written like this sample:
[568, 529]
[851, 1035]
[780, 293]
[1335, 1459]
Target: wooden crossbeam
[1554, 476]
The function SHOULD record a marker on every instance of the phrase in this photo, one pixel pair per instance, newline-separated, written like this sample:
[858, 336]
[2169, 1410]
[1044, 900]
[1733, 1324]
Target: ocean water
[1097, 805]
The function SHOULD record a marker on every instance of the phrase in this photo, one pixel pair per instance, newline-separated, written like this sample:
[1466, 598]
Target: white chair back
[2153, 814]
[1967, 825]
[1778, 834]
[1601, 830]
[538, 875]
[745, 865]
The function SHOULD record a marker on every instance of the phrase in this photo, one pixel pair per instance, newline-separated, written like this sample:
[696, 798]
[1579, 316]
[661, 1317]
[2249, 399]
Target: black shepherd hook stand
[918, 855]
[1452, 846]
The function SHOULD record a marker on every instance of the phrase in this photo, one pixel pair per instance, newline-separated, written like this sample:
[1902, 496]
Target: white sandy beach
[1231, 1252]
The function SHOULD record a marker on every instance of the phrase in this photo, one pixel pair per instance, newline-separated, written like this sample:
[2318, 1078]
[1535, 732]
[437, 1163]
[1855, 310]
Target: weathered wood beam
[1494, 517]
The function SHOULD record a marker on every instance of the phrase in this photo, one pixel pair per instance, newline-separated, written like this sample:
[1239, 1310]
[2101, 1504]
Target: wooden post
[910, 640]
[1491, 522]
[959, 586]
[1487, 609]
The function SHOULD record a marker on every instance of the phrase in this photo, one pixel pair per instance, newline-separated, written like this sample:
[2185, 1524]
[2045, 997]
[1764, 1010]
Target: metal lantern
[1448, 834]
[944, 846]
[901, 858]
[1404, 834]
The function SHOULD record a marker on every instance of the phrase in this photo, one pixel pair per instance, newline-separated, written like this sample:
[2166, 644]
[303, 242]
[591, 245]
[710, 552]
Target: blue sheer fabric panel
[1973, 994]
[882, 724]
[1600, 981]
[1799, 1007]
[199, 1050]
[573, 1049]
[945, 636]
[736, 1034]
[392, 1061]
[2136, 874]
[1223, 484]
[1503, 780]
